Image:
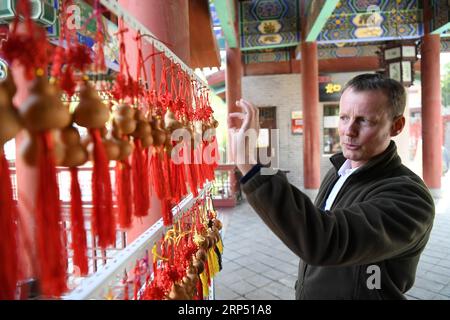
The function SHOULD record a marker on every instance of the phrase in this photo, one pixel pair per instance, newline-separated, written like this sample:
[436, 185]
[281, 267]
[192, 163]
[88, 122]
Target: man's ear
[397, 126]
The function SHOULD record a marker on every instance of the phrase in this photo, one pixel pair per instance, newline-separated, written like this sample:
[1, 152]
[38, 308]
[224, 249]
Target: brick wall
[284, 93]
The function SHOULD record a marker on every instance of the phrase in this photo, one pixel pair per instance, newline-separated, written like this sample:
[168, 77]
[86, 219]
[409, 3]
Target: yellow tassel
[204, 280]
[219, 245]
[213, 262]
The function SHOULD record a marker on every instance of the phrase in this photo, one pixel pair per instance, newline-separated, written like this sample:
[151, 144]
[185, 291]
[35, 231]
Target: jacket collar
[387, 159]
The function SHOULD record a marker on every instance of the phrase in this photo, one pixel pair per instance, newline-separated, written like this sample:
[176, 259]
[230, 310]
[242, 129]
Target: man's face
[365, 126]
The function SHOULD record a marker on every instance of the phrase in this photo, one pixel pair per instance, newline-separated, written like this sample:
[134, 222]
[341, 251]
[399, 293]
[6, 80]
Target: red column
[233, 87]
[233, 80]
[431, 103]
[168, 20]
[311, 121]
[431, 111]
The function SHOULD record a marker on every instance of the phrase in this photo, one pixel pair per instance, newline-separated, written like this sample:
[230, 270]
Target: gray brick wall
[284, 93]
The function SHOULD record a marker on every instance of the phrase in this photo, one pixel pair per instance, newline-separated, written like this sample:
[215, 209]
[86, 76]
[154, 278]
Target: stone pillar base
[436, 193]
[311, 193]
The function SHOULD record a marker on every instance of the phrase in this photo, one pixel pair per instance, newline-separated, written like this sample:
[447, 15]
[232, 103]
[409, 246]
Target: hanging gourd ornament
[123, 125]
[177, 292]
[171, 122]
[75, 156]
[143, 129]
[10, 122]
[199, 265]
[10, 125]
[158, 133]
[92, 114]
[42, 111]
[124, 119]
[75, 153]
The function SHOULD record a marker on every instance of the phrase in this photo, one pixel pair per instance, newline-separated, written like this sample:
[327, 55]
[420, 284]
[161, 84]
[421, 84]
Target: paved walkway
[257, 265]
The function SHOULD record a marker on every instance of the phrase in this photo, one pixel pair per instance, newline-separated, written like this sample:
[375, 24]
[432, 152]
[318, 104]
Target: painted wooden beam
[442, 29]
[322, 17]
[325, 65]
[216, 78]
[226, 13]
[353, 64]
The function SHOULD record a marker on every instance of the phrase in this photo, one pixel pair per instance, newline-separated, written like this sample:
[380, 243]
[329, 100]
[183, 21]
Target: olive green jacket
[377, 227]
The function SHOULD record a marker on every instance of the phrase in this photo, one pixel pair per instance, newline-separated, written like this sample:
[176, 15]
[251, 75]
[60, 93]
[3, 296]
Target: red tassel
[167, 176]
[67, 81]
[102, 215]
[141, 194]
[123, 193]
[137, 281]
[199, 290]
[79, 244]
[198, 167]
[51, 254]
[182, 180]
[166, 212]
[207, 168]
[145, 183]
[181, 176]
[8, 230]
[215, 153]
[157, 174]
[192, 176]
[126, 294]
[174, 178]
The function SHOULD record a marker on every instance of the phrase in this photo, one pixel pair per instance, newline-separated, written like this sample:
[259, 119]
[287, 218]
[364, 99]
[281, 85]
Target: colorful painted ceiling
[269, 30]
[441, 17]
[373, 20]
[217, 28]
[268, 24]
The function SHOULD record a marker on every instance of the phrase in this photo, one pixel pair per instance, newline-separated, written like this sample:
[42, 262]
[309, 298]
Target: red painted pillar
[233, 80]
[168, 20]
[233, 87]
[431, 111]
[431, 103]
[311, 121]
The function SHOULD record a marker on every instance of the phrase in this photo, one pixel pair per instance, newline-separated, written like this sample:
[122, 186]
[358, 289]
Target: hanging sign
[297, 122]
[330, 91]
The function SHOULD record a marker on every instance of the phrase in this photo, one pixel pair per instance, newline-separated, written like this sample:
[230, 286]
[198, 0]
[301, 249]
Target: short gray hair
[393, 90]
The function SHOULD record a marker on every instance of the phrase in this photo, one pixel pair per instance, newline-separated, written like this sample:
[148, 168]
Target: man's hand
[244, 139]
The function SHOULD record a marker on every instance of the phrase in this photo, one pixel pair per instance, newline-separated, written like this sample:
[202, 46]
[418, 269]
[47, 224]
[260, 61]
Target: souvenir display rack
[135, 135]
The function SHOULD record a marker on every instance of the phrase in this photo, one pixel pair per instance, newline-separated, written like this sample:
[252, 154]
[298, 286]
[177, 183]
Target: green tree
[445, 86]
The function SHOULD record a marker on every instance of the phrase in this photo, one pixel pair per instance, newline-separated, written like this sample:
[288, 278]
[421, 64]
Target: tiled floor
[257, 265]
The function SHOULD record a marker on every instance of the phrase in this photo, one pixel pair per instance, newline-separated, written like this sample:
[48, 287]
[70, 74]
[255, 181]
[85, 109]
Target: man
[363, 236]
